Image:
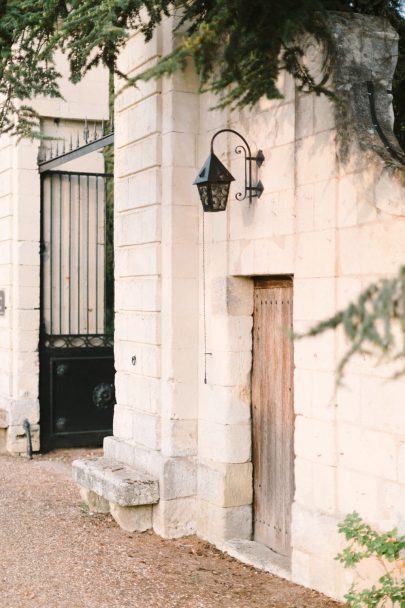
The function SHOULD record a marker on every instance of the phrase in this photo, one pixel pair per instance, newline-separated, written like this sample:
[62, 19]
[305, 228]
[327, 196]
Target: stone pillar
[137, 241]
[225, 468]
[175, 513]
[6, 215]
[156, 240]
[21, 284]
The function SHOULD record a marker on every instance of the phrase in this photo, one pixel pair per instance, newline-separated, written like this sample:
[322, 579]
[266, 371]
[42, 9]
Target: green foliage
[374, 324]
[238, 47]
[26, 67]
[388, 548]
[366, 542]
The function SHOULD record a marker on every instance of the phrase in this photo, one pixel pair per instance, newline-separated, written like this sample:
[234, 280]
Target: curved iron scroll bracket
[250, 190]
[370, 92]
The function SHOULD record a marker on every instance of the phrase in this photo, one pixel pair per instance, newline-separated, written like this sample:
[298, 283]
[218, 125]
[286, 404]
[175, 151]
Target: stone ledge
[116, 482]
[258, 556]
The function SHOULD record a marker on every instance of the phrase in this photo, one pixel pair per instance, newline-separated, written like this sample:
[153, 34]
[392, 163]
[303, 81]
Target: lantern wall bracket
[250, 190]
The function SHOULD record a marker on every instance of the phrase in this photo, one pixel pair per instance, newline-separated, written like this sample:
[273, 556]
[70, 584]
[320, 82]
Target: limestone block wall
[6, 154]
[156, 239]
[335, 222]
[20, 281]
[20, 257]
[332, 216]
[86, 99]
[137, 256]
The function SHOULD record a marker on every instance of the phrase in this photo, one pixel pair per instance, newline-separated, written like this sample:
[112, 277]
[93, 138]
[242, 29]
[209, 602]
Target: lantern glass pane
[214, 197]
[203, 192]
[219, 196]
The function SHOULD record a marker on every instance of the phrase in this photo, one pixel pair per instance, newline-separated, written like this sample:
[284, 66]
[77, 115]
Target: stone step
[259, 556]
[116, 482]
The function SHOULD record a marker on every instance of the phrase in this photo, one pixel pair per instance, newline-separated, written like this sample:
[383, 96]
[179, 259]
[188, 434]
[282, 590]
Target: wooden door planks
[272, 413]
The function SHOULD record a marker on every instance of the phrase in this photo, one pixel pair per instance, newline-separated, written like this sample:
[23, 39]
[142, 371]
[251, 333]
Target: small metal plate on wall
[2, 304]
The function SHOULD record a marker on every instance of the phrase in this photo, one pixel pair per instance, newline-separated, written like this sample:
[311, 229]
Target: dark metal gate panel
[76, 348]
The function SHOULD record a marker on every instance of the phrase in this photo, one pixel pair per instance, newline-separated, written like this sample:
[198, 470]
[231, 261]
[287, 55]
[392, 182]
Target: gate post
[21, 319]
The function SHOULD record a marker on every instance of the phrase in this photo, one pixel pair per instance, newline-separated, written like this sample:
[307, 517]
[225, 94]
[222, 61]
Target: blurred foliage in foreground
[238, 47]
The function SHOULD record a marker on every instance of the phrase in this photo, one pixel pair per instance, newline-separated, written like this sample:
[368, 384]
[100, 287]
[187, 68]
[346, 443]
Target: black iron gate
[76, 346]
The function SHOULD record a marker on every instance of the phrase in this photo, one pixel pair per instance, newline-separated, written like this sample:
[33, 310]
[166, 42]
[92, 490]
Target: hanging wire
[204, 306]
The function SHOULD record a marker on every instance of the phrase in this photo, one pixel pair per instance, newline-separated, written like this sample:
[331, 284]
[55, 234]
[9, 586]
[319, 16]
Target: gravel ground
[54, 554]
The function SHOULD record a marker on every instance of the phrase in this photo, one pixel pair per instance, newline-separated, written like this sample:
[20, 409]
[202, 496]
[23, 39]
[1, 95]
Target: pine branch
[238, 47]
[371, 324]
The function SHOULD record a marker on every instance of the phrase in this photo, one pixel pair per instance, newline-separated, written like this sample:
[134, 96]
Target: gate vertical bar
[60, 253]
[70, 252]
[96, 254]
[105, 255]
[78, 252]
[42, 251]
[87, 254]
[51, 257]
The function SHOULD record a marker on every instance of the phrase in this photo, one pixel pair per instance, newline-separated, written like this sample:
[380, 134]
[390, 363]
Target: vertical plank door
[273, 413]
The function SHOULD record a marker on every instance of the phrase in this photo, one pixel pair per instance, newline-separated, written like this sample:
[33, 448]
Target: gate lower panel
[77, 389]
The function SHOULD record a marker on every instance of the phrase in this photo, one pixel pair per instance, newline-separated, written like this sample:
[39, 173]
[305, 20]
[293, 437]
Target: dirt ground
[54, 554]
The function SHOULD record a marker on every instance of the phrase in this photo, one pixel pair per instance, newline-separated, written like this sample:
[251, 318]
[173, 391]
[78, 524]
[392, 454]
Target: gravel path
[54, 554]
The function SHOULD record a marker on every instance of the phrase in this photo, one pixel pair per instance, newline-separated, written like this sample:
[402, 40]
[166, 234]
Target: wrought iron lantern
[213, 180]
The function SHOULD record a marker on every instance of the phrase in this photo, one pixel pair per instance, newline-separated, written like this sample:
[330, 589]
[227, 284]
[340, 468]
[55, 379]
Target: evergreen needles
[374, 324]
[238, 47]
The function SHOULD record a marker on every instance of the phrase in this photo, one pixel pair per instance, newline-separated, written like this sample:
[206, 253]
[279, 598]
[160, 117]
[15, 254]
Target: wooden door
[273, 413]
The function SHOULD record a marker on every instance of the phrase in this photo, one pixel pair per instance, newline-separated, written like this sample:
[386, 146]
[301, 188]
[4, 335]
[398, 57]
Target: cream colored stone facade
[335, 223]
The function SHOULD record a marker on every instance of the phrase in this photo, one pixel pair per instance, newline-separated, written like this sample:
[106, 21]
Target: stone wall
[19, 252]
[21, 204]
[156, 257]
[334, 222]
[6, 154]
[332, 216]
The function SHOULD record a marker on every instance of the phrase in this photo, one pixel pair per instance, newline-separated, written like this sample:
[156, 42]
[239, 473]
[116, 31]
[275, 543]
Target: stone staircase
[109, 486]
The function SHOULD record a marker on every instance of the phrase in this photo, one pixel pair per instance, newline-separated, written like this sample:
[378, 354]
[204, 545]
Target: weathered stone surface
[3, 440]
[259, 556]
[21, 409]
[220, 524]
[95, 503]
[175, 518]
[17, 439]
[3, 419]
[366, 48]
[132, 519]
[120, 484]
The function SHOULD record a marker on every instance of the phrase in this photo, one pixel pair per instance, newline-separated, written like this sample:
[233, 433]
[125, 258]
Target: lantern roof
[213, 171]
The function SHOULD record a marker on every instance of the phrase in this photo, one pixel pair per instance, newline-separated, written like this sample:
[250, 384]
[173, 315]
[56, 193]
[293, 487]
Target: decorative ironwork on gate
[79, 341]
[59, 151]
